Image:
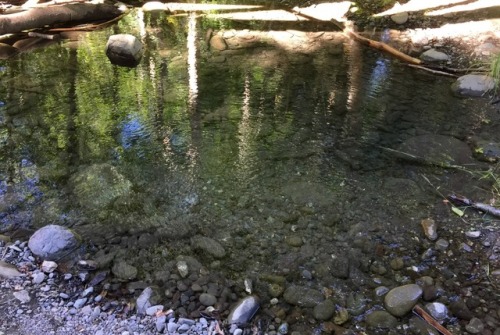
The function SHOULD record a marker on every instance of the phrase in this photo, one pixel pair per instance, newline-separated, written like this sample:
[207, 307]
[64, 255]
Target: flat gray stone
[8, 270]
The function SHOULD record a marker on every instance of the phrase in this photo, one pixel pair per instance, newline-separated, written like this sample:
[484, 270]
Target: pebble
[38, 277]
[473, 234]
[49, 266]
[80, 302]
[324, 310]
[154, 309]
[207, 299]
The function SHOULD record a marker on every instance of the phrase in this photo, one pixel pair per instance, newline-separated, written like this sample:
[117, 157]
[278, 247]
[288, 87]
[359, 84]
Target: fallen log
[381, 46]
[52, 15]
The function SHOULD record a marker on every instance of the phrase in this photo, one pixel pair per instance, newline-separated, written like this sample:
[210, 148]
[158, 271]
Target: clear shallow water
[276, 154]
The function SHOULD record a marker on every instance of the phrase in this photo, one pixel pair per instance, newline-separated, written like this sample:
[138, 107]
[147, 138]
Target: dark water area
[277, 154]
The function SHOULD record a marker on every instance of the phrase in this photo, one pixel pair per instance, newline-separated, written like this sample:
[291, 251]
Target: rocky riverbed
[293, 260]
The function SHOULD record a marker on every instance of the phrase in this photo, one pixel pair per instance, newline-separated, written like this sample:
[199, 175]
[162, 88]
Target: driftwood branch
[69, 13]
[382, 46]
[430, 320]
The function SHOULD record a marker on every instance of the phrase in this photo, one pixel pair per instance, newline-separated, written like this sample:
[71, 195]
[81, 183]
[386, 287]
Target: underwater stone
[302, 296]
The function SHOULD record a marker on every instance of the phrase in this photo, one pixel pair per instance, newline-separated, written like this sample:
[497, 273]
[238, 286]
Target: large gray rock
[54, 243]
[402, 299]
[208, 245]
[302, 296]
[473, 85]
[124, 50]
[436, 150]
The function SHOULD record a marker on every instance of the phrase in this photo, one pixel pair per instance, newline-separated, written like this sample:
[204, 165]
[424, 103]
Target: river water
[273, 149]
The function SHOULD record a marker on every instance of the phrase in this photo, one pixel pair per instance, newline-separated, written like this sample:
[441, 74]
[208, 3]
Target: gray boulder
[473, 85]
[124, 50]
[54, 243]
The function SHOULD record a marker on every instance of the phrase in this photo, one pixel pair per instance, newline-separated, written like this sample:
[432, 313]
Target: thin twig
[430, 320]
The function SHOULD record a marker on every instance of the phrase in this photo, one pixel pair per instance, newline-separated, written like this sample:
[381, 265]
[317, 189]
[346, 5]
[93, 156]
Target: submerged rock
[437, 150]
[302, 296]
[54, 242]
[98, 186]
[402, 299]
[473, 85]
[381, 319]
[208, 245]
[244, 310]
[124, 271]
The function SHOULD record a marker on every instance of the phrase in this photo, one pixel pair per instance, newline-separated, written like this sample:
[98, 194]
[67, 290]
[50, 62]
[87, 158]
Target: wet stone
[207, 299]
[243, 310]
[430, 229]
[324, 310]
[402, 299]
[460, 309]
[438, 310]
[124, 271]
[208, 245]
[475, 326]
[302, 296]
[381, 319]
[442, 245]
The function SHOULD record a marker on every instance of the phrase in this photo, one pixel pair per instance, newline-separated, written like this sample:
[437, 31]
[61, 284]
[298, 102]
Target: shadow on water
[273, 152]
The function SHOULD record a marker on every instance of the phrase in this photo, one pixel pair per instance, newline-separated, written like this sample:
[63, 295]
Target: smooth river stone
[244, 310]
[402, 299]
